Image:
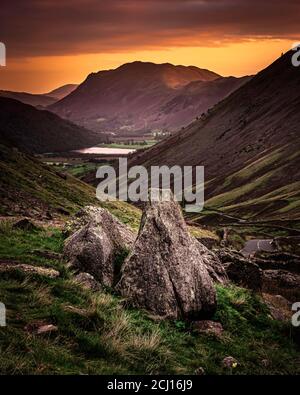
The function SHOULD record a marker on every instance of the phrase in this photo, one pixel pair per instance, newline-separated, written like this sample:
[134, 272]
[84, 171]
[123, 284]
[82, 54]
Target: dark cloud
[49, 27]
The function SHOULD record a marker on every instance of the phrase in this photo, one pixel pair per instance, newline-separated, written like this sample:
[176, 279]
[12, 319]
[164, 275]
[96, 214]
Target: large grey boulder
[165, 272]
[102, 217]
[98, 245]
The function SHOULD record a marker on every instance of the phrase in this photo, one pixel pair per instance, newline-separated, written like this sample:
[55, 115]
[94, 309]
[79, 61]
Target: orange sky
[42, 74]
[53, 42]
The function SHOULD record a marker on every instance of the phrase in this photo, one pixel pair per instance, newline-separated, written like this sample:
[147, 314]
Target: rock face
[240, 270]
[98, 243]
[165, 273]
[213, 264]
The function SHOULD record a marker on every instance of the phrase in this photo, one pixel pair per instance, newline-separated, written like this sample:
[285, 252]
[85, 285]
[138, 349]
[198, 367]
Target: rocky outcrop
[213, 264]
[98, 243]
[279, 261]
[165, 272]
[240, 270]
[283, 283]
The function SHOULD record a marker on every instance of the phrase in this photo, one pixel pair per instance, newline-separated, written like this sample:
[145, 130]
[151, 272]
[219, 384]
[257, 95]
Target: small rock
[208, 327]
[42, 271]
[87, 281]
[40, 327]
[280, 308]
[24, 224]
[229, 363]
[46, 329]
[200, 371]
[265, 363]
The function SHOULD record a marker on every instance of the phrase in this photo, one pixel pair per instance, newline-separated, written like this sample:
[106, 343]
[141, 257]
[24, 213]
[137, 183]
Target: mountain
[196, 98]
[29, 98]
[62, 91]
[249, 144]
[39, 131]
[139, 97]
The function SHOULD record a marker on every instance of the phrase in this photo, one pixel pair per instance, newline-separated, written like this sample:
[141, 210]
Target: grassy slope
[29, 187]
[103, 336]
[249, 144]
[247, 192]
[98, 335]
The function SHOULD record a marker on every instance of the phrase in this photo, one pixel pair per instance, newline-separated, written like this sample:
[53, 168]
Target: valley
[109, 287]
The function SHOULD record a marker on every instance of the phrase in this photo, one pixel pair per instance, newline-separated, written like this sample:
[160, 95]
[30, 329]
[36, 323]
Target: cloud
[53, 27]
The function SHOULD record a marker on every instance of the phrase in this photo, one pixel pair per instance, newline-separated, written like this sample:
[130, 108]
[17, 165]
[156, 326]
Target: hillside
[30, 187]
[62, 91]
[138, 97]
[94, 331]
[39, 131]
[29, 98]
[249, 144]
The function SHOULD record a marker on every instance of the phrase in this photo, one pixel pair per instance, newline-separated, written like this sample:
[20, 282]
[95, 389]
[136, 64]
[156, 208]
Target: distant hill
[62, 91]
[139, 97]
[39, 131]
[29, 98]
[249, 144]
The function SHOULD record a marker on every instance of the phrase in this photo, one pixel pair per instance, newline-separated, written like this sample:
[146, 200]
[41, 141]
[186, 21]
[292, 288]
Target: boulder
[241, 270]
[98, 244]
[165, 272]
[102, 217]
[25, 224]
[282, 282]
[280, 308]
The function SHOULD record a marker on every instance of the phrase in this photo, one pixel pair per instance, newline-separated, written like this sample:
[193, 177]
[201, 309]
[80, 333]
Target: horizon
[49, 45]
[67, 82]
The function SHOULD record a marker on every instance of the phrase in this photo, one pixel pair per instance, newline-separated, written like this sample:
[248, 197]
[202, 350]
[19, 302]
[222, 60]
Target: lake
[106, 151]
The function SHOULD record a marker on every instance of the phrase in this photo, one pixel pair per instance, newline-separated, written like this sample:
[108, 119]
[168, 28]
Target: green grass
[134, 145]
[98, 335]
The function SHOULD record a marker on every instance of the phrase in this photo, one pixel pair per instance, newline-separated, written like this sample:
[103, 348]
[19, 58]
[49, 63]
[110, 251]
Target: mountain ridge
[40, 131]
[131, 97]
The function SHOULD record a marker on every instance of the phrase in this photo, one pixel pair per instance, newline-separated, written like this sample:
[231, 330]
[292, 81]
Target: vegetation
[97, 334]
[131, 144]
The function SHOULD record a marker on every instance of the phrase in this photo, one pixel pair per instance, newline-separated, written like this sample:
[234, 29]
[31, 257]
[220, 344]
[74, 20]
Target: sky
[50, 43]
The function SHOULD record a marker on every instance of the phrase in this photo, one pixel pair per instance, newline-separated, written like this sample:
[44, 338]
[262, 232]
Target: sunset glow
[53, 43]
